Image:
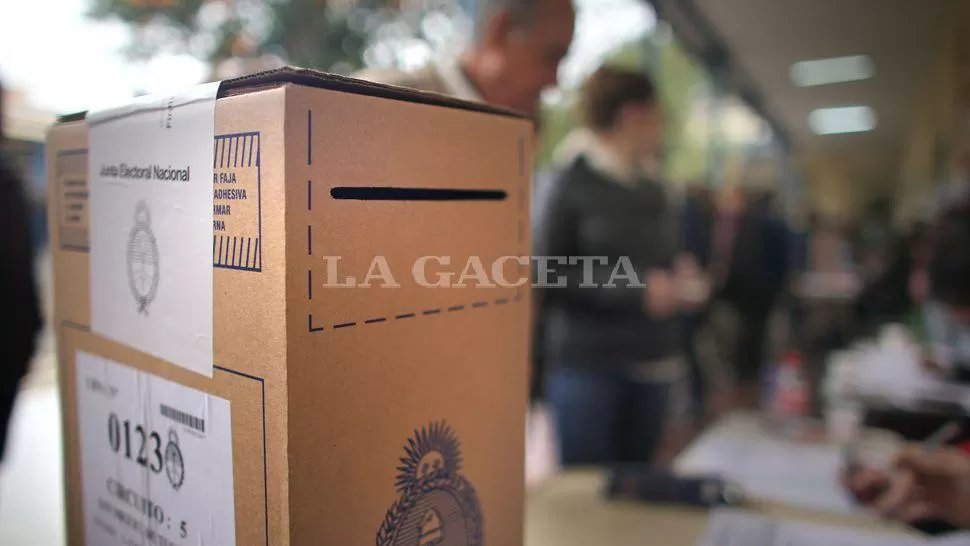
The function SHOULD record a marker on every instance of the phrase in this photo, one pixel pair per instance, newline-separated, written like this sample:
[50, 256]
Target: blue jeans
[693, 322]
[605, 417]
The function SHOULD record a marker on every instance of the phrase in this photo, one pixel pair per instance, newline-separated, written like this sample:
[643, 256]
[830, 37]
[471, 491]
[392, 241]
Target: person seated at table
[616, 376]
[946, 316]
[929, 490]
[885, 298]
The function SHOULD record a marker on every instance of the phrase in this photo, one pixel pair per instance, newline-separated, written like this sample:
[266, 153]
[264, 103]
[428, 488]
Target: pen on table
[931, 444]
[850, 457]
[946, 433]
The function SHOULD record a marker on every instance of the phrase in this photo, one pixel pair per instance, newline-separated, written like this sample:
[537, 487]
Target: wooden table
[571, 510]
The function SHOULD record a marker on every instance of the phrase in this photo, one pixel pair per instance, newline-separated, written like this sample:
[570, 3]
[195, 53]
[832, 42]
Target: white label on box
[150, 181]
[156, 459]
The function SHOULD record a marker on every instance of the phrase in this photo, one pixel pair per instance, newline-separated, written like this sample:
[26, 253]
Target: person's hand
[919, 285]
[864, 483]
[694, 292]
[930, 364]
[660, 298]
[685, 265]
[693, 287]
[922, 485]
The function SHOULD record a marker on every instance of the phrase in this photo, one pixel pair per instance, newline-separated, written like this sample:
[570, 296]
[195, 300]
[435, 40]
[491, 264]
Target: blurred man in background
[21, 320]
[885, 297]
[515, 55]
[749, 264]
[697, 216]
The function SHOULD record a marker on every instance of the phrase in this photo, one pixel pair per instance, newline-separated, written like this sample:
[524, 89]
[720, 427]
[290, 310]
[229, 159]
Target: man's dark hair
[610, 89]
[949, 269]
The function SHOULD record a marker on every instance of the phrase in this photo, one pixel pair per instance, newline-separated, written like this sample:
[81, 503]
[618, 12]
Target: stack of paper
[892, 371]
[772, 469]
[739, 528]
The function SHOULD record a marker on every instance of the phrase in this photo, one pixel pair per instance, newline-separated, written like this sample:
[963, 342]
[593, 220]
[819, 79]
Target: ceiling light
[834, 70]
[842, 120]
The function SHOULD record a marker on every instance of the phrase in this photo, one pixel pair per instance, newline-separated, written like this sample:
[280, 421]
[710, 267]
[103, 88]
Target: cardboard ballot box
[363, 379]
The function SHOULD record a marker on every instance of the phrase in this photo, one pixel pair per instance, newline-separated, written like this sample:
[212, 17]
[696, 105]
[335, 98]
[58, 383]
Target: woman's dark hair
[949, 269]
[608, 90]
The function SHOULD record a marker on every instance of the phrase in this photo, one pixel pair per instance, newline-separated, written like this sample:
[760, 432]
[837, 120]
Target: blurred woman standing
[616, 376]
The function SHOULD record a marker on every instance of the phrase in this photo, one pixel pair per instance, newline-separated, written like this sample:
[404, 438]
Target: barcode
[183, 418]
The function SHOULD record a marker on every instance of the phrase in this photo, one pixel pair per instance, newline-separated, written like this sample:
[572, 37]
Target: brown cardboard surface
[375, 373]
[67, 165]
[327, 385]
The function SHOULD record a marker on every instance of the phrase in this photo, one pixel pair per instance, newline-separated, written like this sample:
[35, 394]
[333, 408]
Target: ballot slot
[391, 241]
[386, 193]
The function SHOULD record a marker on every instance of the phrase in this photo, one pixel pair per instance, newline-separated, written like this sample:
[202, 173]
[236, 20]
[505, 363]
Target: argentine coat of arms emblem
[437, 505]
[142, 259]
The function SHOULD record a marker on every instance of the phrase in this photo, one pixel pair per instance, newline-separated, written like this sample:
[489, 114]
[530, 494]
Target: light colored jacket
[424, 79]
[443, 77]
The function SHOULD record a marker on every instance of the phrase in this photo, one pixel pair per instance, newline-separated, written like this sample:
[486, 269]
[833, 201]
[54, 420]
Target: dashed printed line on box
[430, 312]
[314, 327]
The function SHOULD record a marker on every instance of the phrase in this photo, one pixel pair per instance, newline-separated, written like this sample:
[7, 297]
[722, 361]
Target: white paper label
[150, 178]
[156, 459]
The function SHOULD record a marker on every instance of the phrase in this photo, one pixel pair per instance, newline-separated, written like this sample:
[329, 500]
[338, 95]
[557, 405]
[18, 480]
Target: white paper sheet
[953, 539]
[156, 459]
[772, 469]
[150, 178]
[892, 371]
[739, 528]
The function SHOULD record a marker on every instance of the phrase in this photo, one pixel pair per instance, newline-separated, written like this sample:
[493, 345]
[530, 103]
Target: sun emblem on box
[437, 505]
[174, 463]
[142, 259]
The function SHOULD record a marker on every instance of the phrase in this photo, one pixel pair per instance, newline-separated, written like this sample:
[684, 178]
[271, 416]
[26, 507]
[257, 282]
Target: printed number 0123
[144, 447]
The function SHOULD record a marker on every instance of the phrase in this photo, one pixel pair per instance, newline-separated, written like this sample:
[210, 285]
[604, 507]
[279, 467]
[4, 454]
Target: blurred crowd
[629, 368]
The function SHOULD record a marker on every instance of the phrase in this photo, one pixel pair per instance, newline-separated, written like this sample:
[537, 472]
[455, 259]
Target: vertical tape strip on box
[150, 173]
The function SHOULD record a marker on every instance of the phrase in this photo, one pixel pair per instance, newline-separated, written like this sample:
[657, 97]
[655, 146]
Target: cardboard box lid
[322, 80]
